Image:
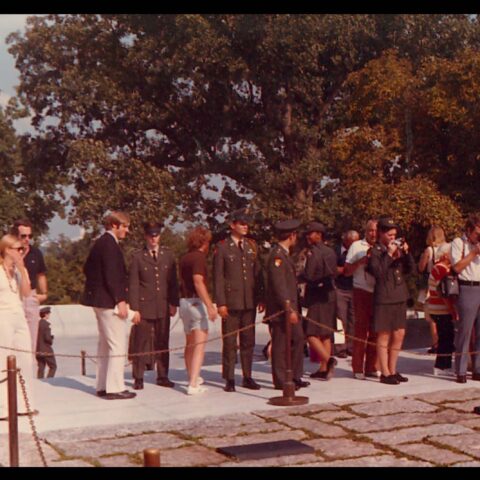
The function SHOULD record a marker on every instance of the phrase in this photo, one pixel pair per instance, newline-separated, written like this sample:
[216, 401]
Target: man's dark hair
[21, 222]
[473, 220]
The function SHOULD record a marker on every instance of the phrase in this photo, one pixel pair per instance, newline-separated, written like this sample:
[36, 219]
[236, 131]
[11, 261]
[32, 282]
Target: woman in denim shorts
[196, 306]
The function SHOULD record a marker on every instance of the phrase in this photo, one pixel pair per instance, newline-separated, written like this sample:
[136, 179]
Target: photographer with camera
[389, 263]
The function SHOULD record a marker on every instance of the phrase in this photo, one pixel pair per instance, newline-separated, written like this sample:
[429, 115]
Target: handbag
[448, 286]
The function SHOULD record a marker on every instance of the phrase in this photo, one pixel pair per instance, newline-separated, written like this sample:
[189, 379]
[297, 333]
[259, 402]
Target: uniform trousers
[42, 362]
[14, 333]
[469, 320]
[278, 333]
[364, 355]
[31, 306]
[147, 336]
[111, 350]
[236, 320]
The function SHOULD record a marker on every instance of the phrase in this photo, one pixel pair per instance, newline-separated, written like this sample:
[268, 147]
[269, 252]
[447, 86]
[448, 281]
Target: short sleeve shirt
[192, 263]
[461, 247]
[35, 265]
[361, 278]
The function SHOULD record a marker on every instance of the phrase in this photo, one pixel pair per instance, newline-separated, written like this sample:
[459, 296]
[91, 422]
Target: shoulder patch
[278, 261]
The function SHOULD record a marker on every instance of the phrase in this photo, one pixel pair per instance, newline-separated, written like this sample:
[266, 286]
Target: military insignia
[278, 262]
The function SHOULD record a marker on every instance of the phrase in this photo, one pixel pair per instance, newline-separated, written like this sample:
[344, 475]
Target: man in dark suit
[238, 290]
[44, 345]
[281, 295]
[153, 292]
[106, 291]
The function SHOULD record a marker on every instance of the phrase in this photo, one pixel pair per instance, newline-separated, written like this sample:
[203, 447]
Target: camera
[399, 242]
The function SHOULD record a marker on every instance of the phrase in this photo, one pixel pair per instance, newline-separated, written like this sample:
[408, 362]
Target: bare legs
[323, 347]
[389, 345]
[194, 354]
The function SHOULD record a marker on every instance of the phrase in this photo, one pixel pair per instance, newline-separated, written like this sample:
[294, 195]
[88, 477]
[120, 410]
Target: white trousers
[32, 314]
[14, 333]
[112, 351]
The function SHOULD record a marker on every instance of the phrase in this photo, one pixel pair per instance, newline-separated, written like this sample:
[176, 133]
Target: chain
[30, 414]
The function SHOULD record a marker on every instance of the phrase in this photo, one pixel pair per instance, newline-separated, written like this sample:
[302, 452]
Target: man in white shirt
[364, 355]
[466, 262]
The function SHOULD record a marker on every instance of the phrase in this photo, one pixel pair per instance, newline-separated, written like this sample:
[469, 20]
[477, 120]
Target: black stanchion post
[12, 409]
[83, 354]
[288, 399]
[151, 457]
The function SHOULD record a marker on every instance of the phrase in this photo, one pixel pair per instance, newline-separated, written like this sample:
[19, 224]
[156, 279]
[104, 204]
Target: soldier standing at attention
[281, 295]
[238, 290]
[153, 291]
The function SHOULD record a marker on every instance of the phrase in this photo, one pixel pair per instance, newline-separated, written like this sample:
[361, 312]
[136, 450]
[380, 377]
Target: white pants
[32, 313]
[14, 333]
[112, 351]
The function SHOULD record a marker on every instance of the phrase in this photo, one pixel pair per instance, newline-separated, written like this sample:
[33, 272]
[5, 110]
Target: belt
[469, 283]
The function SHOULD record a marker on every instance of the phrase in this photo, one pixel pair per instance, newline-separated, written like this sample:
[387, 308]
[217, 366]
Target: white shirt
[10, 300]
[472, 271]
[361, 278]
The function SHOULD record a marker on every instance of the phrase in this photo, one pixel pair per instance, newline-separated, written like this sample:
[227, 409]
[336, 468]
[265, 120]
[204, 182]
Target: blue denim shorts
[193, 313]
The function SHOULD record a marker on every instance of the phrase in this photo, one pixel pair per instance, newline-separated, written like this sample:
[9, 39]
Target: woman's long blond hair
[436, 236]
[6, 241]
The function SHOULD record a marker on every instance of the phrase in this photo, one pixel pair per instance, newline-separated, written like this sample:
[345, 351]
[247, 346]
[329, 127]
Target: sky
[8, 80]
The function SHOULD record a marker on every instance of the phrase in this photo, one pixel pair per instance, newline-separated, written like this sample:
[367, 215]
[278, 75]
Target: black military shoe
[400, 378]
[125, 395]
[250, 383]
[300, 384]
[165, 382]
[229, 386]
[332, 362]
[461, 379]
[319, 374]
[138, 384]
[389, 379]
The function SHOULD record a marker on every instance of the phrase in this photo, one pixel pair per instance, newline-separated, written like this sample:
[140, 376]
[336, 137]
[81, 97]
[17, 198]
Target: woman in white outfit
[14, 331]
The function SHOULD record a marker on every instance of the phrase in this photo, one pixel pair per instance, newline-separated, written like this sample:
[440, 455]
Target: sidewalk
[425, 422]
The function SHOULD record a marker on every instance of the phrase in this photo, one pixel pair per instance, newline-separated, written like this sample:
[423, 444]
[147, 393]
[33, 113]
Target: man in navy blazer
[106, 291]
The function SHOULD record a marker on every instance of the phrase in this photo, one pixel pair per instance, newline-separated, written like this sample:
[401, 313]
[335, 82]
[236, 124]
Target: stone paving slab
[471, 423]
[430, 453]
[443, 396]
[70, 463]
[376, 461]
[120, 461]
[395, 421]
[467, 464]
[469, 444]
[28, 454]
[191, 456]
[333, 416]
[217, 442]
[316, 427]
[392, 405]
[120, 445]
[343, 448]
[463, 406]
[416, 434]
[261, 426]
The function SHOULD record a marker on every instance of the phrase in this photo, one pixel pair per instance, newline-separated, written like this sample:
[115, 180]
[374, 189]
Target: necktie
[154, 255]
[240, 245]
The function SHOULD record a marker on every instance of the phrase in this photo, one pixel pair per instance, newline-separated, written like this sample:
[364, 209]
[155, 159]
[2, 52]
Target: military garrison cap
[240, 216]
[284, 226]
[45, 310]
[315, 227]
[387, 223]
[152, 228]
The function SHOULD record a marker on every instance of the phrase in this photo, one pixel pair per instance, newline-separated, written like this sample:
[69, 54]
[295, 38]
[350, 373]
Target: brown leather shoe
[461, 379]
[138, 384]
[165, 382]
[125, 395]
[230, 386]
[250, 383]
[476, 376]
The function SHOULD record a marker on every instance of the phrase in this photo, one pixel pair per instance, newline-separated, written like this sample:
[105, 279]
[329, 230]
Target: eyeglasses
[26, 235]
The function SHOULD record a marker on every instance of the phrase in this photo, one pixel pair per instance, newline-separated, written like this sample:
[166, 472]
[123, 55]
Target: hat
[152, 228]
[284, 226]
[315, 227]
[45, 310]
[240, 216]
[387, 223]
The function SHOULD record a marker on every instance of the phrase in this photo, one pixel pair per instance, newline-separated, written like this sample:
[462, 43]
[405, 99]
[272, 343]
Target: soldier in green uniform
[153, 291]
[238, 288]
[282, 293]
[390, 262]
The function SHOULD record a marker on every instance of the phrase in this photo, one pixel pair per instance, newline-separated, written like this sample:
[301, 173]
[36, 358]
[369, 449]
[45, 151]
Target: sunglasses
[26, 235]
[20, 249]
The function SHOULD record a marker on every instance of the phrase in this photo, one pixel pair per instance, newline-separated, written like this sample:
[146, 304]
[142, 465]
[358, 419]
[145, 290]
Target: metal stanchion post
[288, 399]
[84, 369]
[12, 409]
[151, 457]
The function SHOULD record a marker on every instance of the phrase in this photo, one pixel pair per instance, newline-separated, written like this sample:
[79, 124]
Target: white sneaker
[191, 390]
[200, 381]
[446, 372]
[374, 374]
[359, 376]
